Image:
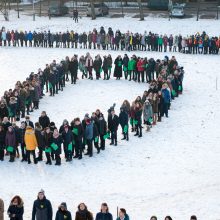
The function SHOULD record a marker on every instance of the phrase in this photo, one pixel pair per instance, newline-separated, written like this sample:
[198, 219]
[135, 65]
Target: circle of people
[193, 44]
[165, 79]
[42, 210]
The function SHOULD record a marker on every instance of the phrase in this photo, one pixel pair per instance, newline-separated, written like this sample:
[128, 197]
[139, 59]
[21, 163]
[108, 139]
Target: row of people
[196, 43]
[42, 209]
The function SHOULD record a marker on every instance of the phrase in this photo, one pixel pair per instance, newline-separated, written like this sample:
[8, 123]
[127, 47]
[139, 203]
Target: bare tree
[141, 10]
[92, 10]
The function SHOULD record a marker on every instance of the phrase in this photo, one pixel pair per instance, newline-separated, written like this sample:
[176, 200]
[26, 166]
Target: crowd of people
[114, 40]
[75, 137]
[43, 210]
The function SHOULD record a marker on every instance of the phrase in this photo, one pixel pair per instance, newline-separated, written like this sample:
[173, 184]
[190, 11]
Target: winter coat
[80, 130]
[83, 215]
[131, 65]
[1, 209]
[155, 105]
[3, 112]
[29, 123]
[140, 65]
[89, 131]
[102, 126]
[113, 122]
[44, 121]
[10, 139]
[63, 215]
[126, 218]
[40, 138]
[138, 115]
[123, 118]
[147, 112]
[21, 133]
[17, 210]
[104, 216]
[67, 137]
[97, 65]
[58, 141]
[42, 210]
[166, 95]
[118, 67]
[30, 139]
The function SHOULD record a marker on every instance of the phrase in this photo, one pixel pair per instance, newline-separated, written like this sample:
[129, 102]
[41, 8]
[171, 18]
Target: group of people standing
[148, 109]
[42, 210]
[199, 43]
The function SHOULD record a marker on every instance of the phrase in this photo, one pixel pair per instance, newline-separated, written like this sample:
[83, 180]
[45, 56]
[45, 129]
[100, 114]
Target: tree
[141, 10]
[92, 10]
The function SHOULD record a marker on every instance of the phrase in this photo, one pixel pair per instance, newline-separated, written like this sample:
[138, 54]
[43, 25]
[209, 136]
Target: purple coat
[10, 139]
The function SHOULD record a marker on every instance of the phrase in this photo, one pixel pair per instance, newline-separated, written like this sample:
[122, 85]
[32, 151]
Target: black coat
[123, 118]
[63, 215]
[113, 123]
[104, 216]
[30, 123]
[80, 132]
[102, 126]
[44, 121]
[21, 133]
[118, 67]
[40, 139]
[17, 210]
[67, 137]
[42, 209]
[73, 66]
[58, 141]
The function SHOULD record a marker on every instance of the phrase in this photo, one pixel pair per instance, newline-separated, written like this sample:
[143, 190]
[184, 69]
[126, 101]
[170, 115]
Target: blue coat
[166, 95]
[103, 216]
[89, 131]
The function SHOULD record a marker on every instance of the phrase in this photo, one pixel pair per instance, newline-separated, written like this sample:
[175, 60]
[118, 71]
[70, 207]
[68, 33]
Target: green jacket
[131, 65]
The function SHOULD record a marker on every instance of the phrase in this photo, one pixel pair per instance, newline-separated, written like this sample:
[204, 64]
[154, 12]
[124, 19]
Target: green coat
[131, 65]
[160, 41]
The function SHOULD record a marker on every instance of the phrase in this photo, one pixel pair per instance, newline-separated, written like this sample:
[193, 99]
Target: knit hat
[86, 115]
[41, 191]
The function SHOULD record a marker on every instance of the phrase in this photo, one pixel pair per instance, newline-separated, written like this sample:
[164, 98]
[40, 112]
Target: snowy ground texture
[173, 170]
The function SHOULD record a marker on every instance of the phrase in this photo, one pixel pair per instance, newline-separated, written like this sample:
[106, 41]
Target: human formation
[78, 136]
[199, 43]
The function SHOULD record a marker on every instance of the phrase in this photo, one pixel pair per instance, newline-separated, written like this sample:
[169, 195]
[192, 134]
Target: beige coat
[1, 209]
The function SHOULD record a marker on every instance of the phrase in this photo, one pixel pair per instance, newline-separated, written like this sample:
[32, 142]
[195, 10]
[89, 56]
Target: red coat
[140, 65]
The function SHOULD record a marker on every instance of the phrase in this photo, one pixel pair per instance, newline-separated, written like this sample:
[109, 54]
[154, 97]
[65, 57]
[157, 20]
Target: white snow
[173, 170]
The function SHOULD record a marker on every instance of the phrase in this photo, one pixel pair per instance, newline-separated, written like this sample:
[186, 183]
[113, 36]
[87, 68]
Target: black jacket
[63, 215]
[113, 122]
[44, 121]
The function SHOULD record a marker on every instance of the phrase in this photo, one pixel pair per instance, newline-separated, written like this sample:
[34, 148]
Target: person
[67, 143]
[21, 132]
[138, 119]
[28, 122]
[1, 209]
[56, 146]
[166, 99]
[83, 213]
[16, 209]
[123, 120]
[153, 218]
[89, 136]
[63, 213]
[75, 15]
[2, 142]
[42, 209]
[11, 143]
[118, 67]
[147, 114]
[168, 218]
[193, 217]
[113, 122]
[30, 143]
[123, 215]
[104, 214]
[44, 120]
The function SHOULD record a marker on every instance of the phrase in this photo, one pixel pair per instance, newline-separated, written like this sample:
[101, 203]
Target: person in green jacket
[160, 43]
[131, 68]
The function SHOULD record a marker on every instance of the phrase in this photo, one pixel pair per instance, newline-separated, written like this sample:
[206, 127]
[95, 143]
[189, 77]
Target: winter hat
[63, 204]
[86, 115]
[52, 124]
[41, 191]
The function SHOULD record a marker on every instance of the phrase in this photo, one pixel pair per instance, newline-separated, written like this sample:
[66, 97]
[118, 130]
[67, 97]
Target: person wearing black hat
[63, 213]
[42, 209]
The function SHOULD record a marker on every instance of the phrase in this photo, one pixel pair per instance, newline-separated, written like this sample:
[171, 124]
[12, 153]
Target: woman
[16, 209]
[118, 67]
[83, 213]
[104, 214]
[11, 143]
[63, 213]
[2, 143]
[138, 119]
[155, 102]
[30, 143]
[148, 114]
[123, 215]
[168, 218]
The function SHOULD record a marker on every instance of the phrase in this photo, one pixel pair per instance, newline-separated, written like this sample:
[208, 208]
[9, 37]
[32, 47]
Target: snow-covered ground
[172, 170]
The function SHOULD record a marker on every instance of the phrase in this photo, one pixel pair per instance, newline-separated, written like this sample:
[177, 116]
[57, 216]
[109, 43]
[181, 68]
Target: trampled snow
[173, 170]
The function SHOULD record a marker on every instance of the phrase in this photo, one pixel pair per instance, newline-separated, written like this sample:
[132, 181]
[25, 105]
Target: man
[1, 209]
[42, 209]
[113, 122]
[75, 15]
[28, 122]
